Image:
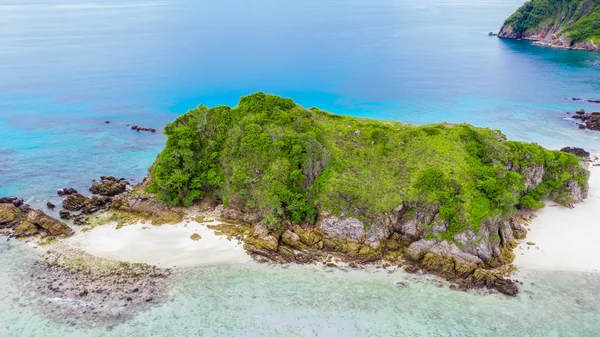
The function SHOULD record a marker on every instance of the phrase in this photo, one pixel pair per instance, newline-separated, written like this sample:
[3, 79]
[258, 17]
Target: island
[298, 185]
[566, 24]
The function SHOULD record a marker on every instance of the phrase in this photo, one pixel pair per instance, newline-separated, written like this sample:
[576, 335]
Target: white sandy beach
[565, 239]
[163, 246]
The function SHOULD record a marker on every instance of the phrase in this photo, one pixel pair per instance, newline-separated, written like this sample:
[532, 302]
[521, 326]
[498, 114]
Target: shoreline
[559, 249]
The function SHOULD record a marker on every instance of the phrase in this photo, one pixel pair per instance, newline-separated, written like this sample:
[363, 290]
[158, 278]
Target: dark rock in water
[580, 112]
[74, 202]
[66, 191]
[590, 121]
[50, 205]
[64, 214]
[400, 284]
[109, 186]
[139, 128]
[579, 152]
[12, 200]
[107, 122]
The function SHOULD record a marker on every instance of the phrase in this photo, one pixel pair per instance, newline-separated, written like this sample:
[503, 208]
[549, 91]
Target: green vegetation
[288, 163]
[578, 19]
[587, 28]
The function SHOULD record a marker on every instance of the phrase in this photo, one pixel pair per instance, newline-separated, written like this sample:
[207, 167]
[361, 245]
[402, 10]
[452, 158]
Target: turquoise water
[67, 66]
[258, 300]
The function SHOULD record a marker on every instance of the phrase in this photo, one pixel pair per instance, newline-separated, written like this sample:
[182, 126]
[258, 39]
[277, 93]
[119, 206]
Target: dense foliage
[271, 155]
[578, 18]
[587, 28]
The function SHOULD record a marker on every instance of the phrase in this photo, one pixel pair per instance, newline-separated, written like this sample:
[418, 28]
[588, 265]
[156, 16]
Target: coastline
[554, 247]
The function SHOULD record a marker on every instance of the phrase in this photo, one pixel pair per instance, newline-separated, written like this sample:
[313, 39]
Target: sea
[68, 67]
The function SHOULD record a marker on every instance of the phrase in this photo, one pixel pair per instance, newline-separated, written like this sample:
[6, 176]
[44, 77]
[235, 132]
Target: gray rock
[260, 231]
[351, 229]
[533, 176]
[417, 249]
[576, 193]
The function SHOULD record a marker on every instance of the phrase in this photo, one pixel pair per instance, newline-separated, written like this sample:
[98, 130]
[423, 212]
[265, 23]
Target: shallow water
[260, 300]
[68, 66]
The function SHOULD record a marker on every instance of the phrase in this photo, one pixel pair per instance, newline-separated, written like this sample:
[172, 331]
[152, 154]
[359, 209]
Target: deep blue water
[67, 66]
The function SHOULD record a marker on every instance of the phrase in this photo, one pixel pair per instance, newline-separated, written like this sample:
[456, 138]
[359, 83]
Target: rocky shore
[76, 286]
[72, 286]
[550, 37]
[590, 121]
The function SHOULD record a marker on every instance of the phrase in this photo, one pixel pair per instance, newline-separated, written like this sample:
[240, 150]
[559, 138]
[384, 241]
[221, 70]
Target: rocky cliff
[567, 24]
[296, 182]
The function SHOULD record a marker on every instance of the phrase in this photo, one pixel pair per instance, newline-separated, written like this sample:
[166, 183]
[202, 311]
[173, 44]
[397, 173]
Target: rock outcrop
[22, 221]
[589, 121]
[566, 24]
[579, 152]
[109, 186]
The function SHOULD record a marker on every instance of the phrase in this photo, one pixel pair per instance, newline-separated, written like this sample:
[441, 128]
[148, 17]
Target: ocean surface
[67, 67]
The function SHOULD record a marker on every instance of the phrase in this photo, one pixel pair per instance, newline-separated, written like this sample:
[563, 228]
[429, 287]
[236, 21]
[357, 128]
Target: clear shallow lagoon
[258, 300]
[68, 66]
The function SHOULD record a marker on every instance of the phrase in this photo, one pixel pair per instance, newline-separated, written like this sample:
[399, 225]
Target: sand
[163, 246]
[565, 239]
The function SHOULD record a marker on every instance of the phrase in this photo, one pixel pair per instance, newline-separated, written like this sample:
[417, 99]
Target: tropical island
[297, 185]
[566, 24]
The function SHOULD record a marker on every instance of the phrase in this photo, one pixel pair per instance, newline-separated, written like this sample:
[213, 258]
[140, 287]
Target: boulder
[64, 214]
[49, 224]
[417, 249]
[50, 205]
[579, 152]
[74, 202]
[580, 112]
[66, 191]
[350, 229]
[260, 231]
[25, 228]
[94, 204]
[12, 200]
[9, 215]
[291, 239]
[109, 186]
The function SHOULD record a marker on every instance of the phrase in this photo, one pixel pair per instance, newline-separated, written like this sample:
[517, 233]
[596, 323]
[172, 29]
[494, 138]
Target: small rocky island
[569, 24]
[300, 185]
